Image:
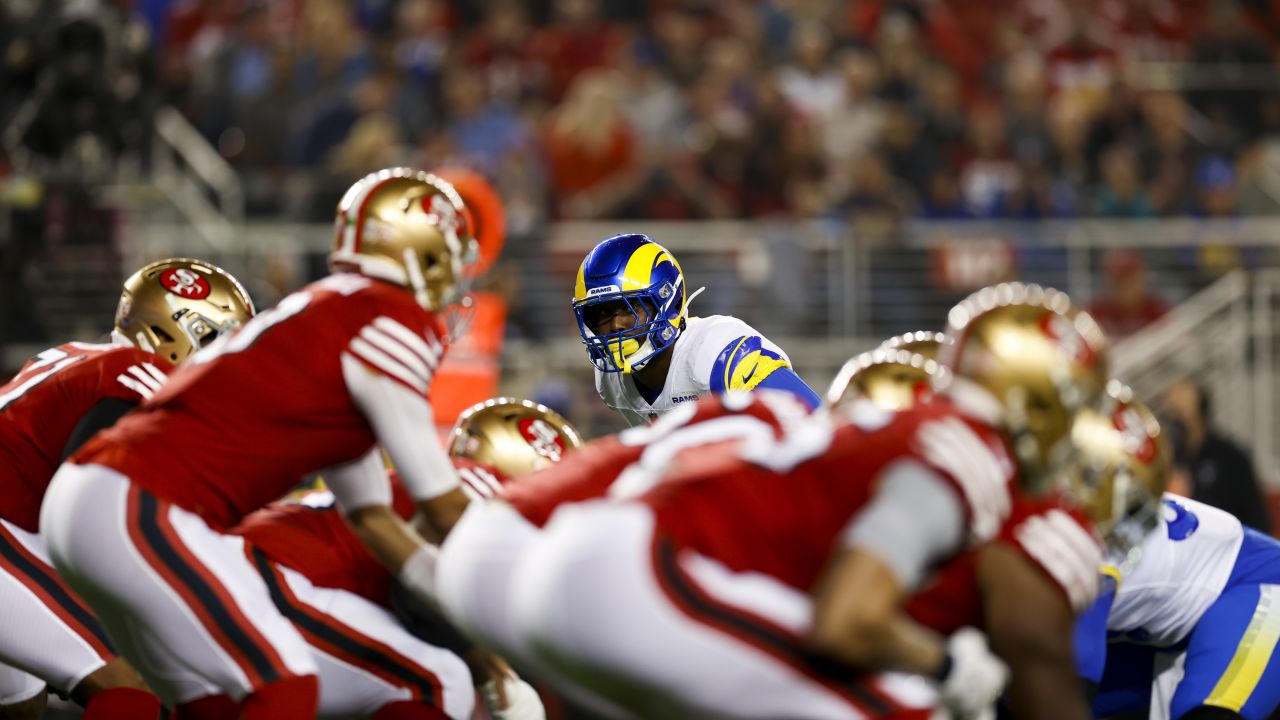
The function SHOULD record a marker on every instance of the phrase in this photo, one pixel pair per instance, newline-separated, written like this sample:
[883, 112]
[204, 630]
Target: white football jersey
[697, 368]
[1184, 567]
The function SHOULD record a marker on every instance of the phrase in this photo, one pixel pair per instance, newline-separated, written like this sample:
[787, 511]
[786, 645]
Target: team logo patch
[542, 438]
[683, 398]
[185, 282]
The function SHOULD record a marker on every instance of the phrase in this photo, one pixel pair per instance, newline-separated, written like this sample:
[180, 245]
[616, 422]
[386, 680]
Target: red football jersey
[41, 406]
[309, 534]
[242, 422]
[589, 472]
[780, 508]
[1054, 537]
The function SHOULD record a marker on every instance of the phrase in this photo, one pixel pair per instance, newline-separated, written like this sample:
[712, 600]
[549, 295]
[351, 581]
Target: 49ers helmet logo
[542, 438]
[185, 282]
[1074, 345]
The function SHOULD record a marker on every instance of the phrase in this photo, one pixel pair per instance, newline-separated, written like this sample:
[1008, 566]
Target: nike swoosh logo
[747, 379]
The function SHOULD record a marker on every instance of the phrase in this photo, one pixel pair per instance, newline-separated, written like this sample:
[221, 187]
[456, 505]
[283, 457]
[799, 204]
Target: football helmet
[513, 436]
[407, 227]
[175, 307]
[1027, 361]
[893, 379]
[1122, 465]
[631, 274]
[924, 342]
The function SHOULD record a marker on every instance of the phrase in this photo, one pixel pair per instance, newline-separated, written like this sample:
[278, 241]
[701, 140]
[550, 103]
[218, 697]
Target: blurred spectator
[853, 126]
[503, 49]
[1235, 61]
[810, 82]
[1125, 305]
[1219, 470]
[1082, 67]
[325, 122]
[591, 149]
[484, 134]
[1121, 194]
[988, 176]
[1068, 160]
[1146, 30]
[875, 205]
[1216, 187]
[1168, 153]
[579, 38]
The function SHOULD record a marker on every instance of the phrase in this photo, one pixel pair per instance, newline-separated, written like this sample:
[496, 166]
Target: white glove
[975, 677]
[522, 701]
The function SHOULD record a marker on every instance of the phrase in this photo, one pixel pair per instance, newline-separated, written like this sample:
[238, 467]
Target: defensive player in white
[1189, 630]
[649, 355]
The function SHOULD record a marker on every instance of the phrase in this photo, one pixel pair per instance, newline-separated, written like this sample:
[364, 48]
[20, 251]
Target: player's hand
[975, 677]
[509, 698]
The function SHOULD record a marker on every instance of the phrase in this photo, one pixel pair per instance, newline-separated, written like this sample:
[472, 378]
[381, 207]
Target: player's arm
[914, 520]
[1030, 625]
[750, 362]
[393, 400]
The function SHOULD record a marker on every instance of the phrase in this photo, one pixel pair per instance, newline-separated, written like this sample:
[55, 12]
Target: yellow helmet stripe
[639, 271]
[580, 287]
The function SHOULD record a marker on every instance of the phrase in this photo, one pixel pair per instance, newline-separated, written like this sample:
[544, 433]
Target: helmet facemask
[632, 348]
[1120, 474]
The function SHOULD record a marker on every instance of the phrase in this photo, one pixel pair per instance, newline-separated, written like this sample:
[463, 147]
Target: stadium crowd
[875, 110]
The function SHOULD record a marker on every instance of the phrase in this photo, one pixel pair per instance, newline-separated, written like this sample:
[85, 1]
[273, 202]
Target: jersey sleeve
[975, 464]
[388, 365]
[132, 375]
[733, 356]
[1064, 547]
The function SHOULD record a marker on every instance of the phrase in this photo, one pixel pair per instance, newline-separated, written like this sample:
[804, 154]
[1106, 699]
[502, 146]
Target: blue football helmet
[632, 275]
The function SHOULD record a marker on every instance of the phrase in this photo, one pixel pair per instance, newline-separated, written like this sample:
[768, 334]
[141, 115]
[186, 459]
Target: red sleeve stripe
[385, 364]
[428, 348]
[396, 350]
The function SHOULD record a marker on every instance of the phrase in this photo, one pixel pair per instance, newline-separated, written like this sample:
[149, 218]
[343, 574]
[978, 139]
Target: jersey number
[47, 364]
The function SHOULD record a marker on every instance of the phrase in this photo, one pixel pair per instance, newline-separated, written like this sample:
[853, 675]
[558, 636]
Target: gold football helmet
[892, 379]
[1028, 361]
[408, 227]
[512, 435]
[175, 307]
[1123, 464]
[924, 342]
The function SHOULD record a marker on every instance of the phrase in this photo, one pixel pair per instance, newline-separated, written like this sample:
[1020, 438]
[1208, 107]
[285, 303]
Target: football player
[725, 568]
[1189, 630]
[649, 354]
[337, 372]
[61, 398]
[342, 600]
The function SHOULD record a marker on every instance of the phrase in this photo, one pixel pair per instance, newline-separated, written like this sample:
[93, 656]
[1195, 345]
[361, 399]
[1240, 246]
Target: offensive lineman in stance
[649, 355]
[733, 554]
[61, 398]
[137, 520]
